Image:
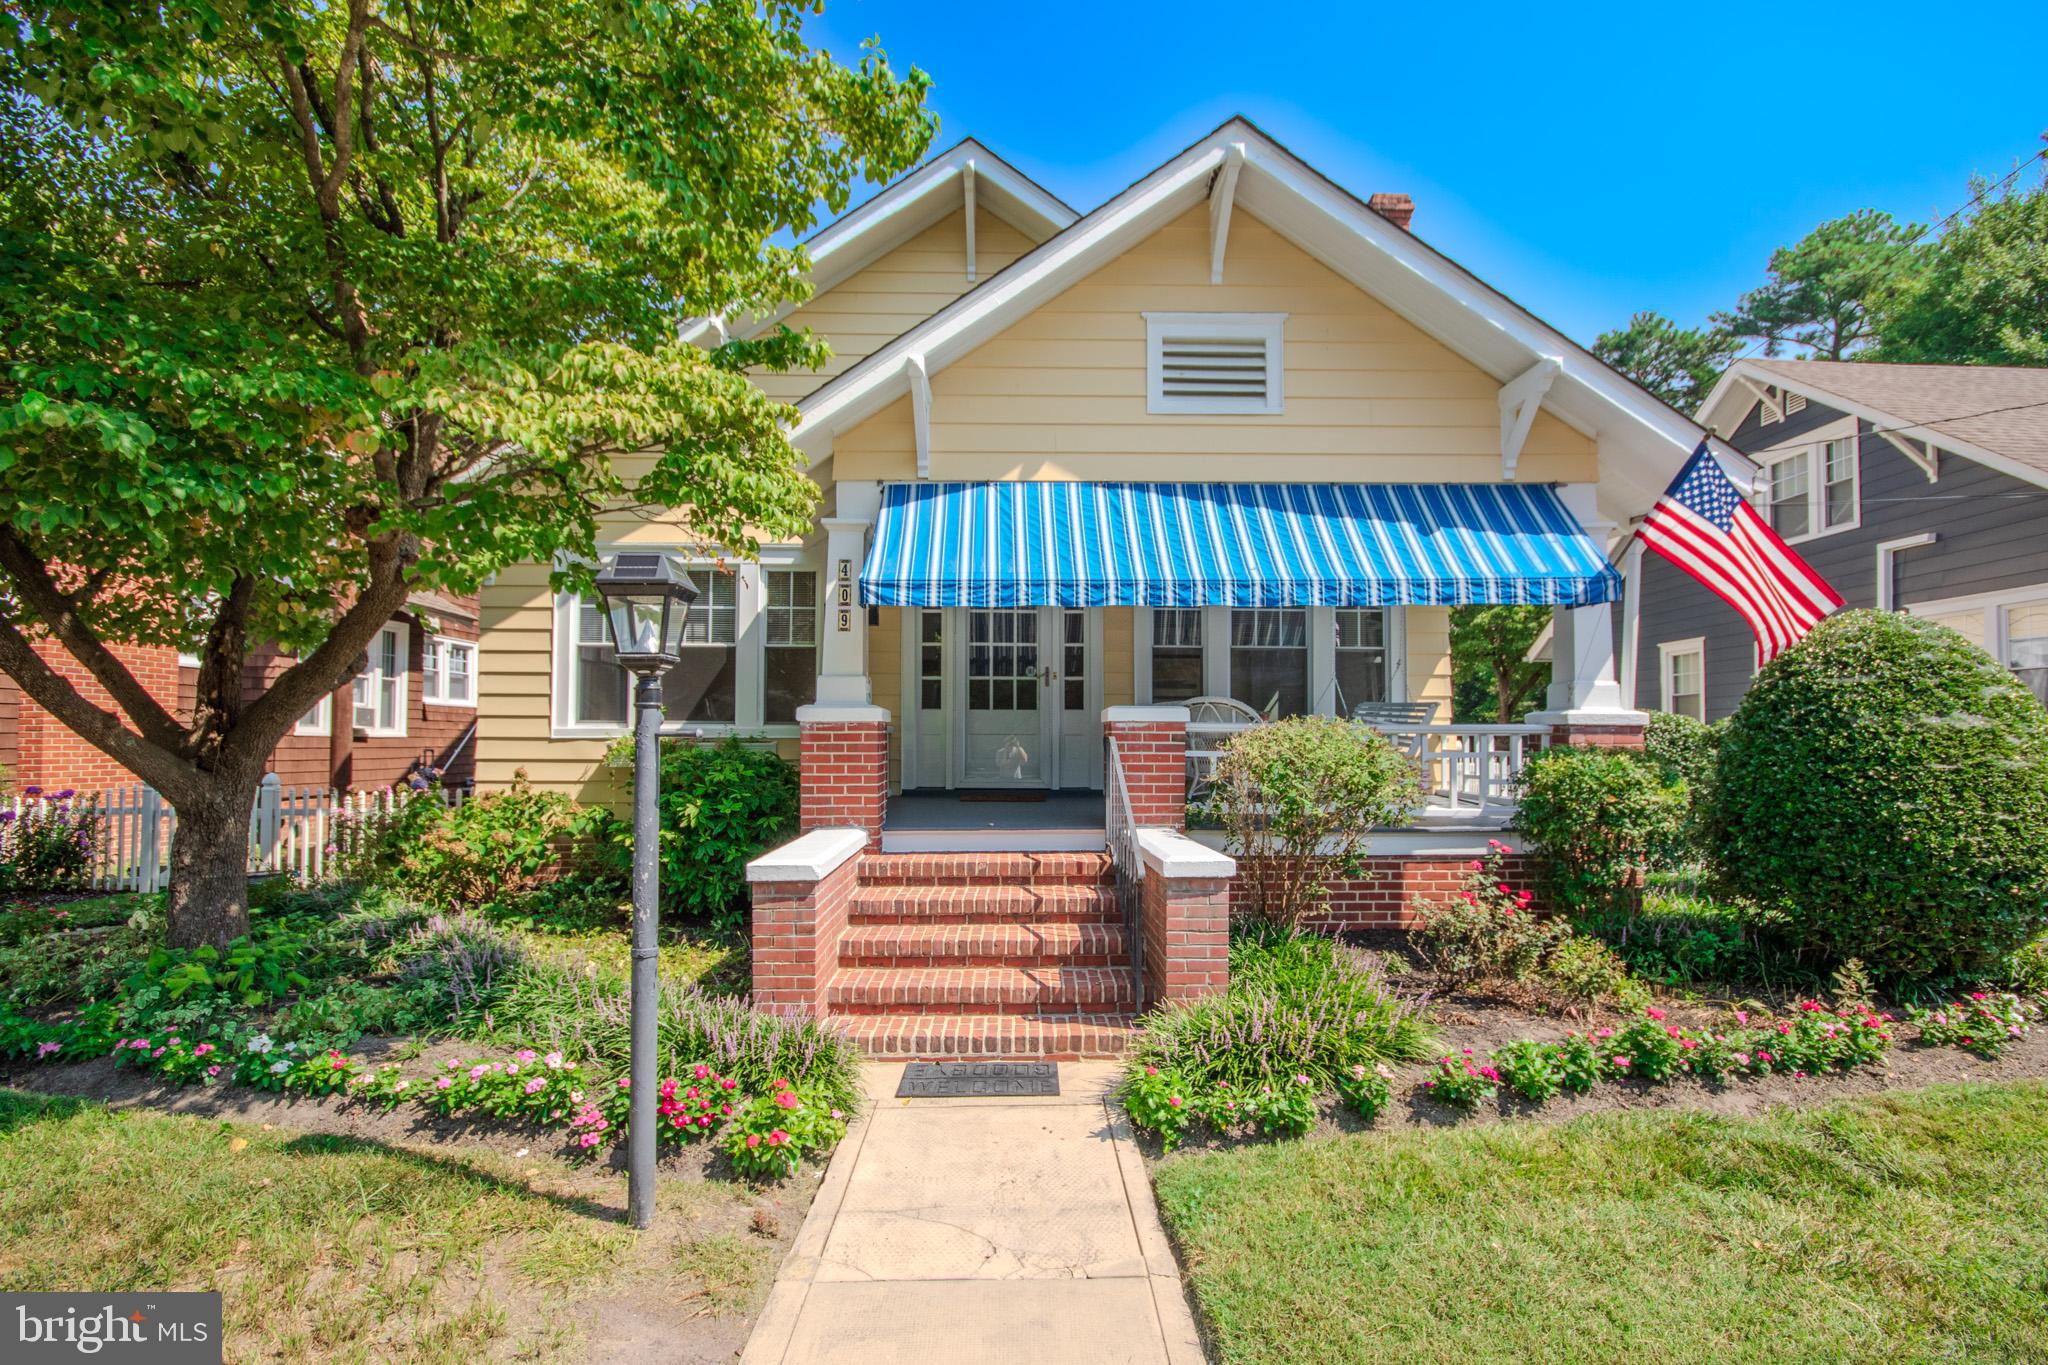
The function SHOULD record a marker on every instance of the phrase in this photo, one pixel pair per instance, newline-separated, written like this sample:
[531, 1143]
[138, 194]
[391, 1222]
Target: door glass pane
[1002, 723]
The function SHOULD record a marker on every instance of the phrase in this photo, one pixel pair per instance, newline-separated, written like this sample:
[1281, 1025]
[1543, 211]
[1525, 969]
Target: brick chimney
[1395, 208]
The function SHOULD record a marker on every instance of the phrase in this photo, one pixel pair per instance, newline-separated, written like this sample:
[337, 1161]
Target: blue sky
[1588, 160]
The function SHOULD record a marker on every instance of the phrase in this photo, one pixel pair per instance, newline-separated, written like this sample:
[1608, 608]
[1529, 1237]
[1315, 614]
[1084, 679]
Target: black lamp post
[646, 599]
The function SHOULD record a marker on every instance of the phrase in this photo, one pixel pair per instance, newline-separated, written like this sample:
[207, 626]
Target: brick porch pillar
[1152, 743]
[843, 768]
[1184, 917]
[1595, 735]
[800, 893]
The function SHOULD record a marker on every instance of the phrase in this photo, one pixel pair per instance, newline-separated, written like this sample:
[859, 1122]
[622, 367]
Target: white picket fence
[292, 831]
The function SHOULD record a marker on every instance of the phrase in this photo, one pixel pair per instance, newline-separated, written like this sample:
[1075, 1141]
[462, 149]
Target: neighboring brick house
[414, 707]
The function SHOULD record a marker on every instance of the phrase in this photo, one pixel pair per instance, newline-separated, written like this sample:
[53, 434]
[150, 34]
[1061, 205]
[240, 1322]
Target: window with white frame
[750, 654]
[1811, 490]
[1176, 654]
[448, 671]
[1269, 660]
[2011, 627]
[1683, 687]
[1214, 362]
[319, 720]
[1361, 656]
[380, 688]
[789, 671]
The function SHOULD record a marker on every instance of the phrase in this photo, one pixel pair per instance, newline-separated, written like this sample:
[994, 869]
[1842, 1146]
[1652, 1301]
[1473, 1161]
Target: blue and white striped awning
[1229, 544]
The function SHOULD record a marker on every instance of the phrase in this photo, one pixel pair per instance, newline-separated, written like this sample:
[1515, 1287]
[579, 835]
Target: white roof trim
[1647, 440]
[913, 203]
[1742, 372]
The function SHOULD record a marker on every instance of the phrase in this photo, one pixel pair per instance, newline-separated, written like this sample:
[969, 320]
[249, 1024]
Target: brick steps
[978, 954]
[982, 990]
[985, 869]
[958, 1037]
[950, 903]
[984, 945]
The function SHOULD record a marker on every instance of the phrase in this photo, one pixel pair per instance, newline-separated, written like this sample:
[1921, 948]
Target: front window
[790, 673]
[1685, 679]
[700, 690]
[1269, 660]
[319, 720]
[1813, 490]
[1176, 654]
[448, 672]
[380, 688]
[1361, 656]
[2026, 646]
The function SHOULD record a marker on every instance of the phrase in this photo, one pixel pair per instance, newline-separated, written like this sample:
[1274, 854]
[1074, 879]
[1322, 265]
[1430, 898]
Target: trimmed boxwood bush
[1680, 748]
[1596, 820]
[1884, 788]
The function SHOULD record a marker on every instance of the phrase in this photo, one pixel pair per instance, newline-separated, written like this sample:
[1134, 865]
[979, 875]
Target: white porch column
[1585, 702]
[843, 653]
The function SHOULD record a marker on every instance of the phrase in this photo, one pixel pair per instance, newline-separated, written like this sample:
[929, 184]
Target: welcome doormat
[970, 1080]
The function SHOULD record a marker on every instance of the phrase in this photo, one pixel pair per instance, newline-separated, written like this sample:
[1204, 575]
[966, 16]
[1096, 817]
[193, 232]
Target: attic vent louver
[1213, 362]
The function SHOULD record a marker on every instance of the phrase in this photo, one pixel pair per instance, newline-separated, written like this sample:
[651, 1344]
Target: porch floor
[942, 822]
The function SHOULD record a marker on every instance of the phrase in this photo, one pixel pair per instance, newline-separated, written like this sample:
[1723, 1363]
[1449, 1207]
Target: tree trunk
[209, 898]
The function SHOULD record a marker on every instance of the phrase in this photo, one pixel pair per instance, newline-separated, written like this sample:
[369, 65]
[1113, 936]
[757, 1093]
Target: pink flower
[704, 1120]
[787, 1099]
[45, 1049]
[1151, 1071]
[1503, 888]
[1468, 898]
[1621, 1061]
[1301, 1080]
[625, 1083]
[777, 1138]
[1742, 1016]
[836, 1114]
[587, 1140]
[202, 1049]
[1477, 864]
[535, 1086]
[213, 1070]
[442, 1083]
[1654, 1012]
[526, 1054]
[1603, 1033]
[553, 1061]
[700, 1071]
[753, 1139]
[478, 1071]
[1173, 1100]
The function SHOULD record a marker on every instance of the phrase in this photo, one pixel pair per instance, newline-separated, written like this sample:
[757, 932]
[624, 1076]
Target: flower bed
[766, 1135]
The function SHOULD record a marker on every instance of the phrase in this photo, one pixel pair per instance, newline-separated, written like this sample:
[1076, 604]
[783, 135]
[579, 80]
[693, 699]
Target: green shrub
[497, 846]
[721, 804]
[1296, 1005]
[1587, 972]
[2029, 970]
[1681, 749]
[1682, 937]
[1487, 931]
[1884, 789]
[1298, 801]
[1596, 820]
[49, 845]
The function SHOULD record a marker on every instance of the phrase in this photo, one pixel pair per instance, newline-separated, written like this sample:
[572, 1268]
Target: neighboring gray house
[1917, 488]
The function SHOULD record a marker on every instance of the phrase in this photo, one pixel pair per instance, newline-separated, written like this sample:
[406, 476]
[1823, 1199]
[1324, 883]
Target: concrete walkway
[982, 1229]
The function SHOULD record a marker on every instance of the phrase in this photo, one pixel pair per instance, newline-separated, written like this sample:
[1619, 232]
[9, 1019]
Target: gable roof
[1995, 414]
[1647, 439]
[907, 206]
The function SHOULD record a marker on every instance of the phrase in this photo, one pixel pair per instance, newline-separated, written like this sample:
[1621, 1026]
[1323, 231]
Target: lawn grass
[1912, 1225]
[332, 1248]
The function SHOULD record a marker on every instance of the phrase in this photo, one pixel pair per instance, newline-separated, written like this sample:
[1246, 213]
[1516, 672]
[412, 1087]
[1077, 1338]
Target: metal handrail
[1120, 833]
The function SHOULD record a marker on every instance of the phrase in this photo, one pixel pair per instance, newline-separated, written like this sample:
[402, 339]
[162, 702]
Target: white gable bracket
[1773, 409]
[1519, 400]
[967, 181]
[1222, 195]
[920, 411]
[1928, 460]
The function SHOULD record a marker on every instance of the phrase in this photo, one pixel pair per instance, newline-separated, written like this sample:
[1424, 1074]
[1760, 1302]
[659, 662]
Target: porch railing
[293, 832]
[1469, 772]
[1120, 833]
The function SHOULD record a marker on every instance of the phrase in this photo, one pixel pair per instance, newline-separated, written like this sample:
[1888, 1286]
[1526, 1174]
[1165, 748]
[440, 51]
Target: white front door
[1027, 699]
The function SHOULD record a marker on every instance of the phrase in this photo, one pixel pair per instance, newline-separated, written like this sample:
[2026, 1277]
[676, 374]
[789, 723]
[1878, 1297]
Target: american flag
[1704, 525]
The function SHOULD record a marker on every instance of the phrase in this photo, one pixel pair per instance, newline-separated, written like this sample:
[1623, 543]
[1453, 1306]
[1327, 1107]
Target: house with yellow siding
[1096, 491]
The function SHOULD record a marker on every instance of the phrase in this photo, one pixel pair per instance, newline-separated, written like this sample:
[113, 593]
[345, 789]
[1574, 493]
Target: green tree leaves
[1822, 289]
[1678, 364]
[1983, 297]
